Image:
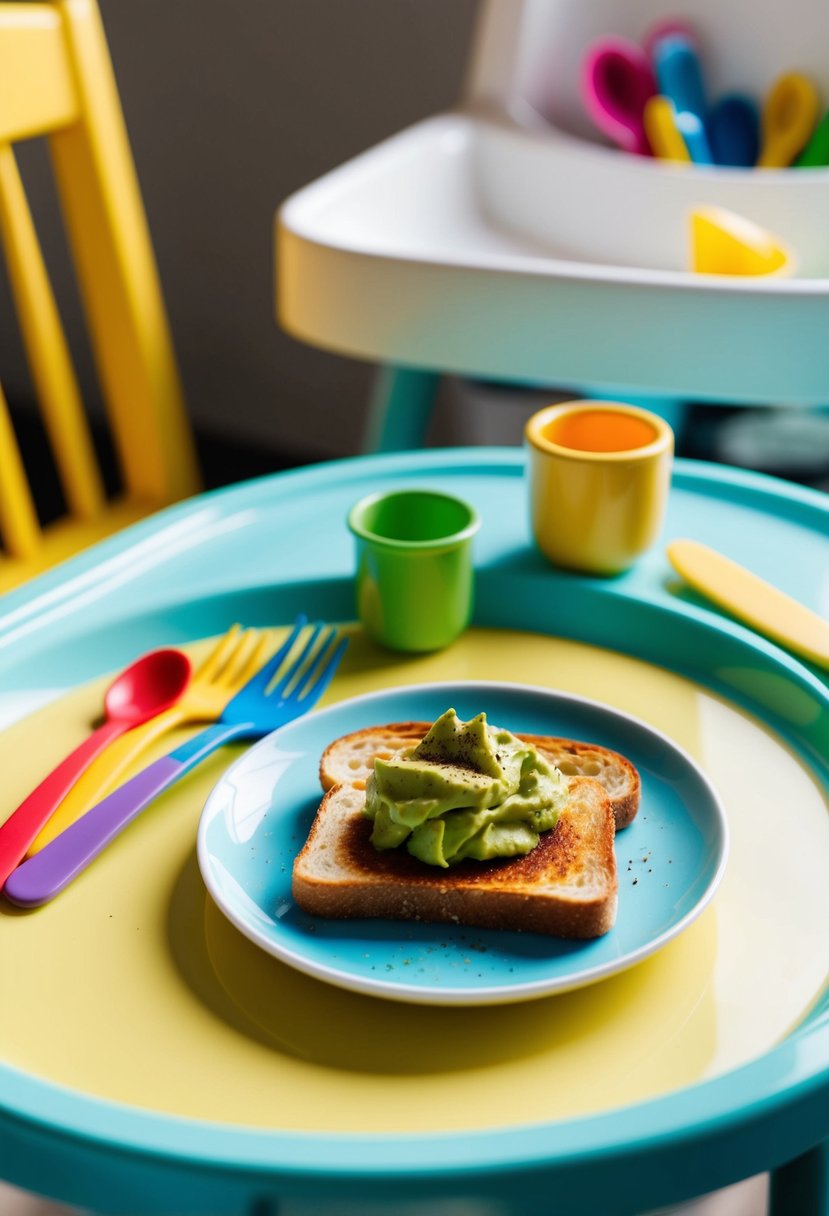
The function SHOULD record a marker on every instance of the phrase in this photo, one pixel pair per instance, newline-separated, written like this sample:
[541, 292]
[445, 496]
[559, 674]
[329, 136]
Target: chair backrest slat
[56, 81]
[48, 354]
[37, 92]
[19, 528]
[110, 241]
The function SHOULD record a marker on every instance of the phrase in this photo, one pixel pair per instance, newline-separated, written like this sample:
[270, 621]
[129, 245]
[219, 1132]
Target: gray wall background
[230, 108]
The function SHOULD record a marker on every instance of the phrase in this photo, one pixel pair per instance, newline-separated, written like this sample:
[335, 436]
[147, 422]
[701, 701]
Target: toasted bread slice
[350, 760]
[567, 886]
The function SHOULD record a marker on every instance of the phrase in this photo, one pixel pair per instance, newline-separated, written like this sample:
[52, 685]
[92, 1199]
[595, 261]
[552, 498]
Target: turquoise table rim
[754, 1118]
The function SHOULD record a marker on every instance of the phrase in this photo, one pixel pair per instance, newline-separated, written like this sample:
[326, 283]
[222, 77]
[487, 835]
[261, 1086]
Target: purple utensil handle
[46, 874]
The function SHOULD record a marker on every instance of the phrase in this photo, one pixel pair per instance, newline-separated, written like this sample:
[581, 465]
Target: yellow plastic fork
[228, 666]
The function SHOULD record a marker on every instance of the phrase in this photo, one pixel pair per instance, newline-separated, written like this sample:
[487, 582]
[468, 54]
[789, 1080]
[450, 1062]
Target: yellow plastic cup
[415, 575]
[599, 474]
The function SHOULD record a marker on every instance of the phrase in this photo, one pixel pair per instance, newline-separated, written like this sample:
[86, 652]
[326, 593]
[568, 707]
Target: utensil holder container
[545, 172]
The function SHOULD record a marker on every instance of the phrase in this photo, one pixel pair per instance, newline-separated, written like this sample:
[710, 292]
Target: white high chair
[505, 240]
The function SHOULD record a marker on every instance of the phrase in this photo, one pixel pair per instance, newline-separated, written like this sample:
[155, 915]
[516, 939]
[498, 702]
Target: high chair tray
[161, 1062]
[518, 252]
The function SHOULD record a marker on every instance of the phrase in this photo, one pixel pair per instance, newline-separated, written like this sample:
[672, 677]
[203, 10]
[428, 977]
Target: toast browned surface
[350, 760]
[567, 886]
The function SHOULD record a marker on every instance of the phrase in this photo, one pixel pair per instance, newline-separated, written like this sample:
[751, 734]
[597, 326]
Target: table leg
[801, 1188]
[401, 409]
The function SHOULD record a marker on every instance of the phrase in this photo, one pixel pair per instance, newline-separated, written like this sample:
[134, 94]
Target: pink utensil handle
[23, 825]
[617, 81]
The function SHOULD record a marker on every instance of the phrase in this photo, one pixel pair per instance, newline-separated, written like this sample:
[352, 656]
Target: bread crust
[566, 887]
[350, 758]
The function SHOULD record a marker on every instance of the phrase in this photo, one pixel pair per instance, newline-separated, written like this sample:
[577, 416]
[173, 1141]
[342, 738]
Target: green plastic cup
[415, 574]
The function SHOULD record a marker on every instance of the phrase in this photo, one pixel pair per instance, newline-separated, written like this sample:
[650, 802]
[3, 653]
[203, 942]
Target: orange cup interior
[600, 431]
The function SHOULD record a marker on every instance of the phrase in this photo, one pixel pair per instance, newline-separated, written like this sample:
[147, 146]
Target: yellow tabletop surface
[132, 986]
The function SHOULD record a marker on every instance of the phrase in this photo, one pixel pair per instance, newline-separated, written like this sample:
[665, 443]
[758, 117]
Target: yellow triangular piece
[723, 242]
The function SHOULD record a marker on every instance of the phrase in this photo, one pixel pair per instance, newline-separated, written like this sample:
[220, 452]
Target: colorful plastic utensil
[662, 132]
[816, 153]
[693, 134]
[229, 663]
[723, 242]
[256, 710]
[765, 608]
[734, 131]
[666, 29]
[143, 690]
[617, 80]
[679, 74]
[789, 117]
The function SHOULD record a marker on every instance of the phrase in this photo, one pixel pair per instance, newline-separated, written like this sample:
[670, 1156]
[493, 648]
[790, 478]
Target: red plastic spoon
[146, 688]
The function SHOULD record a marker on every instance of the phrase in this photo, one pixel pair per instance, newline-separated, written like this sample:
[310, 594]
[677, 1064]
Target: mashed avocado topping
[466, 790]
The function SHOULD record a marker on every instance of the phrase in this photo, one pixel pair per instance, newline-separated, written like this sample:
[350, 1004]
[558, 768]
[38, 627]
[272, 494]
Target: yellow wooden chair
[56, 81]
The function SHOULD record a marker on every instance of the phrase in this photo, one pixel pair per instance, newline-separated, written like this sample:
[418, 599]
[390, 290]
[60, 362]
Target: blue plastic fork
[256, 710]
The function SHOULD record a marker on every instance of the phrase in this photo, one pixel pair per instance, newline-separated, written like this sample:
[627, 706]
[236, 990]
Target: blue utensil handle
[693, 132]
[679, 75]
[47, 873]
[733, 129]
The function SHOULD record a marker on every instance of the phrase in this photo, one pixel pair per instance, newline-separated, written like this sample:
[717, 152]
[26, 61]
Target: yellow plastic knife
[745, 595]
